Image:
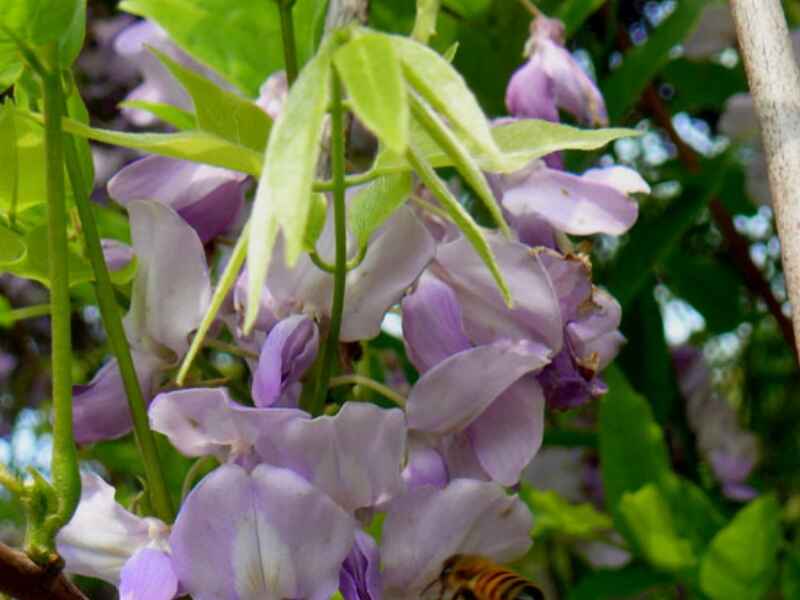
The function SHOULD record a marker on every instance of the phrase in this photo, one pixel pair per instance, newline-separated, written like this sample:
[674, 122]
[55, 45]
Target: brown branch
[23, 579]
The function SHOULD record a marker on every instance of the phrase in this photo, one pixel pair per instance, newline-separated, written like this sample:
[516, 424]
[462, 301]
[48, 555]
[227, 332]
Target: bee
[470, 577]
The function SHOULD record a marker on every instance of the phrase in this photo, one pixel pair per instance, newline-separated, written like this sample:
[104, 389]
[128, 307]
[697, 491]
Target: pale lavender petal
[148, 575]
[536, 314]
[354, 457]
[572, 204]
[427, 525]
[433, 328]
[273, 93]
[100, 407]
[575, 92]
[622, 179]
[207, 422]
[396, 257]
[116, 254]
[452, 394]
[740, 492]
[288, 352]
[571, 277]
[597, 333]
[207, 197]
[531, 92]
[507, 435]
[425, 466]
[102, 536]
[533, 230]
[172, 290]
[360, 577]
[460, 457]
[268, 534]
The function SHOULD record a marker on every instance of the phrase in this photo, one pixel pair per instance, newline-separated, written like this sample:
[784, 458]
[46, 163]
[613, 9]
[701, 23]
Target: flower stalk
[109, 310]
[287, 36]
[66, 476]
[329, 350]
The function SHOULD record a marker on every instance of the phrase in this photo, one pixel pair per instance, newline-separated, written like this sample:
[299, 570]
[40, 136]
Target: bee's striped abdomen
[502, 584]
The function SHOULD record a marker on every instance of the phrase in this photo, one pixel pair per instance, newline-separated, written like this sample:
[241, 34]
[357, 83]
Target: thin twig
[775, 85]
[366, 382]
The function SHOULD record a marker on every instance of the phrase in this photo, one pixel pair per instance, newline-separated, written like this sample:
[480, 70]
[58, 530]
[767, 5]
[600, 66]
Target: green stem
[361, 380]
[329, 351]
[425, 22]
[11, 482]
[224, 285]
[353, 180]
[145, 440]
[287, 35]
[66, 475]
[230, 348]
[28, 312]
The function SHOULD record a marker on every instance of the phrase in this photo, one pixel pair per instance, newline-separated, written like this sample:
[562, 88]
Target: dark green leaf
[574, 12]
[790, 574]
[741, 561]
[642, 63]
[469, 9]
[629, 582]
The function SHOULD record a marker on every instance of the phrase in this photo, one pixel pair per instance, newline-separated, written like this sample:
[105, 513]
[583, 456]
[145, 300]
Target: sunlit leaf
[220, 112]
[177, 117]
[283, 196]
[741, 561]
[555, 515]
[33, 263]
[12, 248]
[373, 76]
[372, 206]
[242, 42]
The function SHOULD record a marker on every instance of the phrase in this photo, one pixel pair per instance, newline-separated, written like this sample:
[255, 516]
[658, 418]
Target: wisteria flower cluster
[366, 500]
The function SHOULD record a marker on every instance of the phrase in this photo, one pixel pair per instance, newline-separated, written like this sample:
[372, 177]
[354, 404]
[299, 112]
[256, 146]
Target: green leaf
[461, 218]
[642, 63]
[632, 449]
[469, 9]
[39, 22]
[446, 91]
[689, 80]
[574, 12]
[520, 142]
[373, 76]
[790, 574]
[283, 196]
[632, 581]
[12, 248]
[197, 146]
[372, 206]
[77, 110]
[741, 561]
[711, 286]
[242, 42]
[317, 215]
[649, 523]
[220, 112]
[9, 160]
[555, 515]
[650, 244]
[463, 162]
[180, 119]
[33, 264]
[10, 63]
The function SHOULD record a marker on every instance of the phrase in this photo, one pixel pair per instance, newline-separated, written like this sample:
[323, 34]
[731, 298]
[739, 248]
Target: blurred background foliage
[701, 267]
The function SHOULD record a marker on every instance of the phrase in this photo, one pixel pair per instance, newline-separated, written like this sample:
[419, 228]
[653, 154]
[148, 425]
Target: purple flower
[731, 451]
[477, 398]
[428, 525]
[360, 577]
[117, 255]
[268, 534]
[595, 202]
[170, 295]
[208, 198]
[106, 541]
[553, 80]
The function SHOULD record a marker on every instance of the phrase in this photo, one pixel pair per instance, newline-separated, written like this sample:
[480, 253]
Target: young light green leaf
[372, 206]
[33, 264]
[740, 563]
[12, 248]
[10, 63]
[283, 196]
[39, 22]
[373, 76]
[77, 110]
[220, 112]
[242, 42]
[446, 91]
[461, 218]
[317, 213]
[649, 522]
[9, 161]
[197, 146]
[457, 153]
[180, 119]
[555, 515]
